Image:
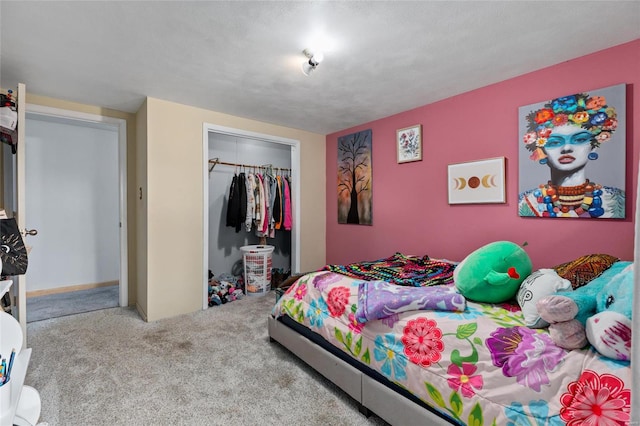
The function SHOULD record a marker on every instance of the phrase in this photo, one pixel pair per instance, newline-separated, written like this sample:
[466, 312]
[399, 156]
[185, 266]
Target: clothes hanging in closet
[270, 186]
[250, 184]
[242, 190]
[288, 220]
[277, 204]
[237, 208]
[261, 207]
[265, 223]
[233, 208]
[260, 202]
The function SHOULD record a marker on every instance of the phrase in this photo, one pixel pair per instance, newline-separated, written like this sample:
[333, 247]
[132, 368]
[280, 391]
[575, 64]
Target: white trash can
[257, 269]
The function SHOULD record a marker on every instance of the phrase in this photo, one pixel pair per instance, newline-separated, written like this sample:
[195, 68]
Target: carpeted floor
[212, 367]
[70, 303]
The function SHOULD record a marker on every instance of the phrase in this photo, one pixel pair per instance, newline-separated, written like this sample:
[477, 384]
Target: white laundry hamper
[257, 269]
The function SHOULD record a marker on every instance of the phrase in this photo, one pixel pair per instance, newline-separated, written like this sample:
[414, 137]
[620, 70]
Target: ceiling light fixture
[312, 63]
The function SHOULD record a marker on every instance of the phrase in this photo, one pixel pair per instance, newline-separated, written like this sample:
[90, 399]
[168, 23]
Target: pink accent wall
[411, 213]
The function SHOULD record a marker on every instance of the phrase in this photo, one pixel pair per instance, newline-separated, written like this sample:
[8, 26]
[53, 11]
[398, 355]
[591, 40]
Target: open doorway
[75, 197]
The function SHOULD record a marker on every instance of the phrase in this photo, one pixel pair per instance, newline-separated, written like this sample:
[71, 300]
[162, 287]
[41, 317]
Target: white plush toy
[541, 283]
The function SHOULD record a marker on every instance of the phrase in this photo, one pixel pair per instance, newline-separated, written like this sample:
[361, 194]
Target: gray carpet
[70, 303]
[213, 367]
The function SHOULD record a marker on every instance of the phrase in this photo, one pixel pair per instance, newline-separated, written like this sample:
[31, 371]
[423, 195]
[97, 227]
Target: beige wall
[173, 193]
[165, 161]
[131, 152]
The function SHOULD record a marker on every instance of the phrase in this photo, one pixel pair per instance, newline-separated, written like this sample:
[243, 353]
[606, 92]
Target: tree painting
[354, 178]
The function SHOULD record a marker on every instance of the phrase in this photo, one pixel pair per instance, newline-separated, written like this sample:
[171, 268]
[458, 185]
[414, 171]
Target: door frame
[120, 125]
[294, 144]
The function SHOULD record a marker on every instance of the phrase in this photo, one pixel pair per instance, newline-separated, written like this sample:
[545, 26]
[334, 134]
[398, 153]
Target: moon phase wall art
[476, 182]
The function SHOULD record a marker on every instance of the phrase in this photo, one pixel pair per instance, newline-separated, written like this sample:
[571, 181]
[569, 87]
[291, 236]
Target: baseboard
[67, 289]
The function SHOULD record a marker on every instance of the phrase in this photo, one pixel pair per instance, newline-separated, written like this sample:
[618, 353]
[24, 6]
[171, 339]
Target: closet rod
[215, 161]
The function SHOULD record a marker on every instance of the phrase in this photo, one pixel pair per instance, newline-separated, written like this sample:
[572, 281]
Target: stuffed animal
[214, 300]
[598, 313]
[214, 293]
[221, 292]
[237, 293]
[541, 283]
[493, 273]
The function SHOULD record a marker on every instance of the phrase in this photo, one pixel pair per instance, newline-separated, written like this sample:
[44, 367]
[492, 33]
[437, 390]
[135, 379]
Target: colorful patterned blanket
[399, 269]
[481, 366]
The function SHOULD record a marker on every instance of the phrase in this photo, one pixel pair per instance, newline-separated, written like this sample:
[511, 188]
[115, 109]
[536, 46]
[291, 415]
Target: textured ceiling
[244, 57]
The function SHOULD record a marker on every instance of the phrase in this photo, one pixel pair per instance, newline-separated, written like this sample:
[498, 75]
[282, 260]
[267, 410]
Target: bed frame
[371, 393]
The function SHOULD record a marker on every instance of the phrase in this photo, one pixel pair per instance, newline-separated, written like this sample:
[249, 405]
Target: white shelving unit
[19, 404]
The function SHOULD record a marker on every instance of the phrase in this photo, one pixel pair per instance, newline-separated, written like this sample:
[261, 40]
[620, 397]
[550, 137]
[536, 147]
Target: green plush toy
[493, 273]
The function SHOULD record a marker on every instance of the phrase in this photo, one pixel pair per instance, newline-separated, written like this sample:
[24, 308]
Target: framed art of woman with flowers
[572, 156]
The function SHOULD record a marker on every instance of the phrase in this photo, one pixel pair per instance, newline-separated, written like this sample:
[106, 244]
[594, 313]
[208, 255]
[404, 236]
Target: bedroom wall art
[572, 154]
[476, 182]
[409, 144]
[412, 214]
[354, 178]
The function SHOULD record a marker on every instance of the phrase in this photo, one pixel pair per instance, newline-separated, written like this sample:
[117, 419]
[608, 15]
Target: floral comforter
[481, 366]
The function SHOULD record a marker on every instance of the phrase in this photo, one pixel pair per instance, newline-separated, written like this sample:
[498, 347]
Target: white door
[13, 172]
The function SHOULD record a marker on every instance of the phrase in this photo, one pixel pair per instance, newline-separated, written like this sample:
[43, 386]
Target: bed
[459, 362]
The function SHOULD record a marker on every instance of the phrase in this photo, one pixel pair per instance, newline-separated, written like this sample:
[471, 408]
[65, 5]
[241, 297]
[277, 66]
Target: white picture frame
[409, 144]
[477, 182]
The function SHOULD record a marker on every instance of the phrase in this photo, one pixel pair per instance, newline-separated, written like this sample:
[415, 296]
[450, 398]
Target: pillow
[585, 268]
[539, 284]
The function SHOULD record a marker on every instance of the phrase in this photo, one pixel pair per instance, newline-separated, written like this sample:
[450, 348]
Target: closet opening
[229, 152]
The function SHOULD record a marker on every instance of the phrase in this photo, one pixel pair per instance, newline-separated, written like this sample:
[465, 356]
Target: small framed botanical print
[409, 144]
